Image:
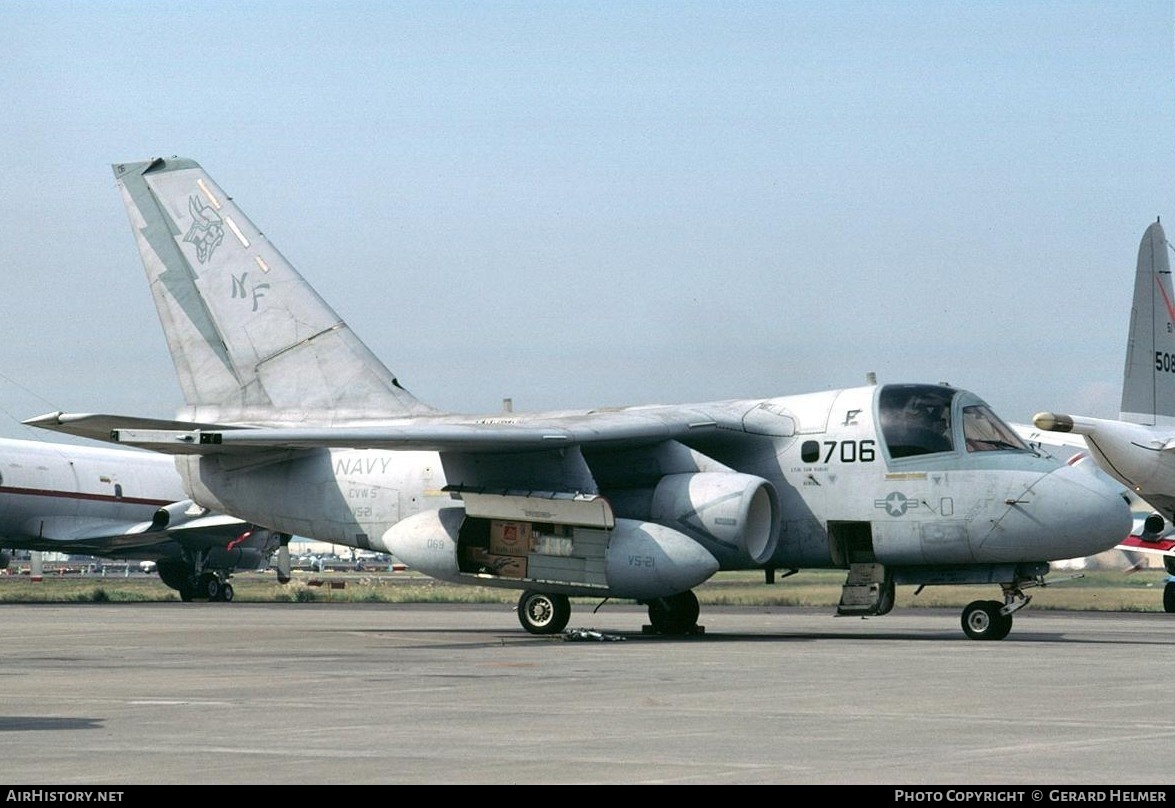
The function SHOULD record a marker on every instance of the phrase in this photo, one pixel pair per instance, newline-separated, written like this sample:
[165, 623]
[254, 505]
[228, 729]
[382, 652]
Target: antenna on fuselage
[870, 378]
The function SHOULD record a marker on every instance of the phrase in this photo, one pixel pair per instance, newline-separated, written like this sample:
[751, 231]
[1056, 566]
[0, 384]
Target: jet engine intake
[734, 515]
[1153, 526]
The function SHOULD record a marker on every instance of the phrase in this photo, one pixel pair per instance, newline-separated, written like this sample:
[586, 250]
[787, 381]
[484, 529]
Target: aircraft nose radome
[1088, 509]
[1070, 512]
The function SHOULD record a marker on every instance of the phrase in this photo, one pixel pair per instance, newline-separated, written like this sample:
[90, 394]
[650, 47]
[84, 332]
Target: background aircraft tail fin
[1148, 383]
[250, 339]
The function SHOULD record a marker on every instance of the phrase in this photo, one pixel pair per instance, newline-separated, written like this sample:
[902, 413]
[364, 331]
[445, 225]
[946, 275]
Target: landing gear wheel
[226, 592]
[187, 591]
[541, 613]
[1169, 597]
[982, 620]
[174, 574]
[676, 614]
[888, 596]
[210, 587]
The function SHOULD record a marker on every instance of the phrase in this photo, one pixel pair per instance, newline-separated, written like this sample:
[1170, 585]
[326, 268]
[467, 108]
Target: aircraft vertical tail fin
[1148, 383]
[251, 340]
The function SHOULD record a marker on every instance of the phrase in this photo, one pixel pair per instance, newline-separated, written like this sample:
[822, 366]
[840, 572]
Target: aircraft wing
[209, 532]
[181, 523]
[1062, 445]
[101, 427]
[493, 435]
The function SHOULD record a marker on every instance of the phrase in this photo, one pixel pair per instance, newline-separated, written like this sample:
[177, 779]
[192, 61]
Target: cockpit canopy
[920, 419]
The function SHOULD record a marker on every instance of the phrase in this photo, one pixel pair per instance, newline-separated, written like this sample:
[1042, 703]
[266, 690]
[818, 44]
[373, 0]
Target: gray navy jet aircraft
[292, 423]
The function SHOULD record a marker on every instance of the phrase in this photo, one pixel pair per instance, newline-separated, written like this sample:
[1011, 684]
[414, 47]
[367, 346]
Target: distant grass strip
[1098, 590]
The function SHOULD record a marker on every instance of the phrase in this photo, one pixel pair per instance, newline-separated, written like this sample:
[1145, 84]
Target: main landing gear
[544, 613]
[1169, 597]
[1169, 587]
[209, 585]
[675, 615]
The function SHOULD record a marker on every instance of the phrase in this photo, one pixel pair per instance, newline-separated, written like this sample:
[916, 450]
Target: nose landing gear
[991, 620]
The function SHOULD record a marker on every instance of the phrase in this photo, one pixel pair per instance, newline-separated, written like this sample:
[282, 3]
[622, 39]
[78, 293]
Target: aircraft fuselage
[854, 476]
[52, 497]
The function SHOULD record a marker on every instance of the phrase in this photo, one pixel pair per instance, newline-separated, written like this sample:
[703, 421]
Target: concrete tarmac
[104, 695]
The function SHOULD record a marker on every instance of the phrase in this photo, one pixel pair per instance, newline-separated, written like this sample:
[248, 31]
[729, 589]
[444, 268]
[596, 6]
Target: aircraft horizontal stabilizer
[1163, 545]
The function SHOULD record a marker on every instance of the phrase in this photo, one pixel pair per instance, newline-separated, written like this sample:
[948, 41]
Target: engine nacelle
[635, 559]
[736, 515]
[1153, 526]
[168, 516]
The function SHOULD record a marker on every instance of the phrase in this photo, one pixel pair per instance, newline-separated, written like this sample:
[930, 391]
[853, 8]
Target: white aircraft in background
[291, 422]
[1138, 450]
[122, 504]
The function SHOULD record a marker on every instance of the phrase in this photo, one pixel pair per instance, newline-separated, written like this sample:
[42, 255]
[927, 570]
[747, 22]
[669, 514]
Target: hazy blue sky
[581, 204]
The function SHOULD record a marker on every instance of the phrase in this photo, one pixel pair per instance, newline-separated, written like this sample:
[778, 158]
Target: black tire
[175, 574]
[226, 592]
[982, 620]
[888, 597]
[542, 613]
[210, 587]
[676, 614]
[1169, 597]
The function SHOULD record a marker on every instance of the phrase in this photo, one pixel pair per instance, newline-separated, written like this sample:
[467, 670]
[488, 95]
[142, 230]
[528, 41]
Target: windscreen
[983, 431]
[916, 419]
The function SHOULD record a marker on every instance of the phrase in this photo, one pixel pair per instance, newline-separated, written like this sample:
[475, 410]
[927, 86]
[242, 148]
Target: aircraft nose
[1074, 511]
